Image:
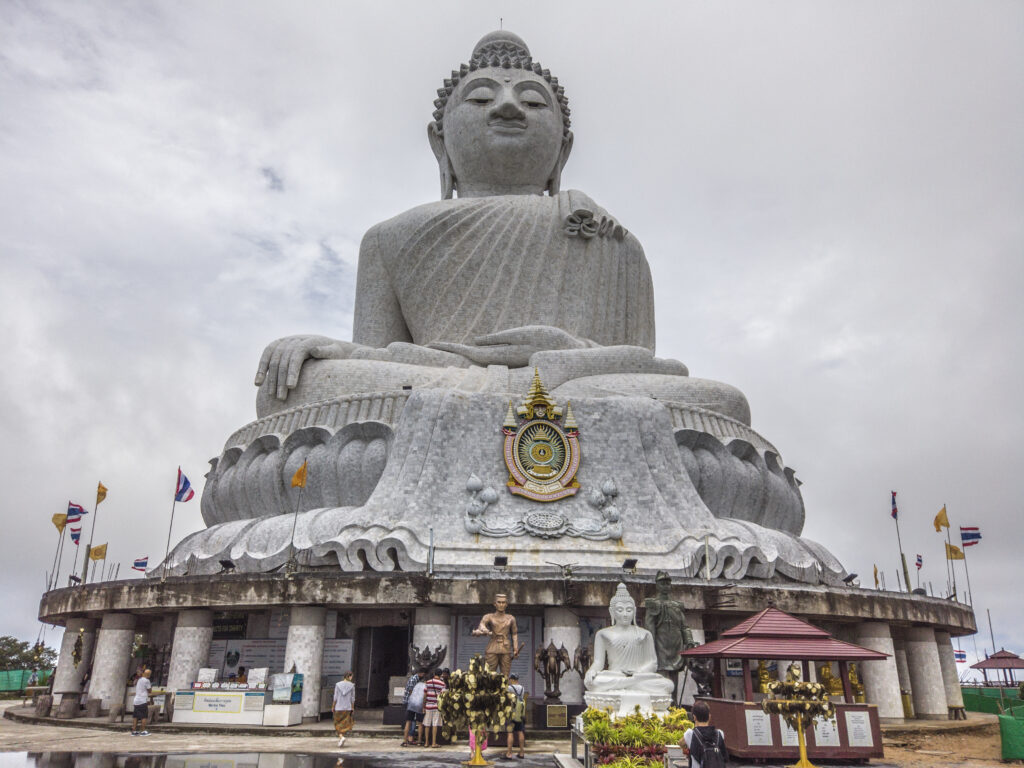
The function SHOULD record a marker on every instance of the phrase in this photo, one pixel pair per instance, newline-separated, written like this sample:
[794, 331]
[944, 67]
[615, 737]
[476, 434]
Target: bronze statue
[501, 628]
[664, 618]
[426, 659]
[552, 663]
[582, 659]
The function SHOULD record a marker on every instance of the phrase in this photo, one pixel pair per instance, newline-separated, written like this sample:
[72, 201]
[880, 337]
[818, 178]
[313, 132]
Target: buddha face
[503, 132]
[622, 612]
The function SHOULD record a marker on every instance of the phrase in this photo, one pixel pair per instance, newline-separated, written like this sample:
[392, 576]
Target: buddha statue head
[501, 124]
[622, 607]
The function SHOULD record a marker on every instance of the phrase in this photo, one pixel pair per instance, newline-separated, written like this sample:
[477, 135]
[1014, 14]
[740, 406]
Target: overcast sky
[831, 197]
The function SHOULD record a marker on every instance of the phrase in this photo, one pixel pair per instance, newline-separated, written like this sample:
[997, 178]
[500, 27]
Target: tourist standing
[140, 704]
[344, 706]
[704, 743]
[517, 728]
[413, 714]
[431, 716]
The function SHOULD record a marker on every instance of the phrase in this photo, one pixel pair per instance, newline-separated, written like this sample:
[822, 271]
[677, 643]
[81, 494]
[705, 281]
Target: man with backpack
[413, 701]
[518, 725]
[704, 743]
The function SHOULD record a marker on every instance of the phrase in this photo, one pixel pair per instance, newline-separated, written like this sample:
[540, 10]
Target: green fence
[988, 699]
[1011, 734]
[15, 680]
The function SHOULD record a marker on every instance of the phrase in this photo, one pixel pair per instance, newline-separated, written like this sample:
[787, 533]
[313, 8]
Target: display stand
[219, 706]
[282, 714]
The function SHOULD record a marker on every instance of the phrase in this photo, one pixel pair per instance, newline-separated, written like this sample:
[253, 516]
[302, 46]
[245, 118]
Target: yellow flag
[98, 553]
[60, 520]
[299, 478]
[953, 552]
[876, 577]
[941, 521]
[101, 493]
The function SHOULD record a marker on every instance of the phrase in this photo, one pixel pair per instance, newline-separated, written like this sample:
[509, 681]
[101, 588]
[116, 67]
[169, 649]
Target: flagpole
[74, 564]
[903, 557]
[970, 596]
[293, 563]
[60, 556]
[88, 547]
[53, 574]
[167, 550]
[949, 552]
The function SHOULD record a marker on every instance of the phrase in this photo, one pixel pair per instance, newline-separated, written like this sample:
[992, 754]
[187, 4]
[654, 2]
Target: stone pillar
[190, 649]
[950, 678]
[562, 627]
[67, 678]
[110, 666]
[305, 650]
[433, 627]
[880, 678]
[927, 688]
[903, 670]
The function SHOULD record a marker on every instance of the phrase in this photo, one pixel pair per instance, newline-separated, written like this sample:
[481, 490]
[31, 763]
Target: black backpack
[712, 754]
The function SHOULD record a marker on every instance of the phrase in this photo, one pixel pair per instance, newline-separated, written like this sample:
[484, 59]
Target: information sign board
[858, 729]
[759, 728]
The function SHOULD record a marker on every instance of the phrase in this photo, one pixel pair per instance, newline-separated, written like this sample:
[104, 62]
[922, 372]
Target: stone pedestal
[67, 678]
[880, 678]
[305, 649]
[433, 628]
[623, 704]
[926, 685]
[190, 649]
[950, 678]
[112, 659]
[562, 627]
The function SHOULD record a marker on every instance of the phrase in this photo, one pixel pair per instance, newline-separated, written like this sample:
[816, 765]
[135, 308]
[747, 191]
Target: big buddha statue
[507, 287]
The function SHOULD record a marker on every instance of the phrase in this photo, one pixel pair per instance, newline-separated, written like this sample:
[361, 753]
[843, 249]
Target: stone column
[950, 678]
[927, 688]
[110, 666]
[562, 627]
[305, 649]
[903, 670]
[433, 627]
[880, 678]
[190, 649]
[67, 678]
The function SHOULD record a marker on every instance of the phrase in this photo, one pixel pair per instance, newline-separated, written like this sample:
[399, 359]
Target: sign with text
[337, 657]
[858, 729]
[221, 703]
[557, 715]
[790, 738]
[759, 728]
[826, 733]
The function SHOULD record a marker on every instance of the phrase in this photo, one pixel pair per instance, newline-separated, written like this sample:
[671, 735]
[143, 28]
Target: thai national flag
[920, 562]
[895, 512]
[140, 564]
[960, 656]
[183, 492]
[75, 512]
[969, 535]
[76, 534]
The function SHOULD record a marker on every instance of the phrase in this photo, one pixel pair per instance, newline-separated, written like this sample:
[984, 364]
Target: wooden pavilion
[774, 634]
[1004, 661]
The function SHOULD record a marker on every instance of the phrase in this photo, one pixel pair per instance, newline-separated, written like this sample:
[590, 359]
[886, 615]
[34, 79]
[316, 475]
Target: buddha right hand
[282, 360]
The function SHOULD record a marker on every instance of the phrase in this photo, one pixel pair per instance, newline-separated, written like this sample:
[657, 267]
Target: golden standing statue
[504, 643]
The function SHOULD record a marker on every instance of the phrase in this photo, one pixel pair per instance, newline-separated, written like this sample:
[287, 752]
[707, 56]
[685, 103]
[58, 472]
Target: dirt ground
[937, 750]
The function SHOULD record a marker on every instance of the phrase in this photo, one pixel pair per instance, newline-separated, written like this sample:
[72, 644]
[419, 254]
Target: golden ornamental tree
[477, 700]
[800, 704]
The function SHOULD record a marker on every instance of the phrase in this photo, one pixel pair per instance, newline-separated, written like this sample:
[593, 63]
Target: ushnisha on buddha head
[622, 607]
[501, 123]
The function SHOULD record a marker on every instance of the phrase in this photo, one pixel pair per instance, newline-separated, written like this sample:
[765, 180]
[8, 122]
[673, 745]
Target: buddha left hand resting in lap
[472, 292]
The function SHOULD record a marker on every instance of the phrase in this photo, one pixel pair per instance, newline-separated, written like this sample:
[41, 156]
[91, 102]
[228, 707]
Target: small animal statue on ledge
[552, 663]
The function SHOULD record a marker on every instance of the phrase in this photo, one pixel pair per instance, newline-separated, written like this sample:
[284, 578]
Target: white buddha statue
[625, 668]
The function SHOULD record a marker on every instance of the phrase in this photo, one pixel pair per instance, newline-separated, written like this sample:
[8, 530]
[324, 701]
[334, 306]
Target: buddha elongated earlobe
[555, 180]
[444, 165]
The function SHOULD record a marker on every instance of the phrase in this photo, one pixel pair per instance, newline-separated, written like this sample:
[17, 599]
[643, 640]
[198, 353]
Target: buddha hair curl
[506, 53]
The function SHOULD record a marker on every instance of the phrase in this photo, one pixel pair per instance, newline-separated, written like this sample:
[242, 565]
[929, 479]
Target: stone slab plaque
[557, 716]
[759, 728]
[338, 657]
[789, 738]
[858, 729]
[826, 733]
